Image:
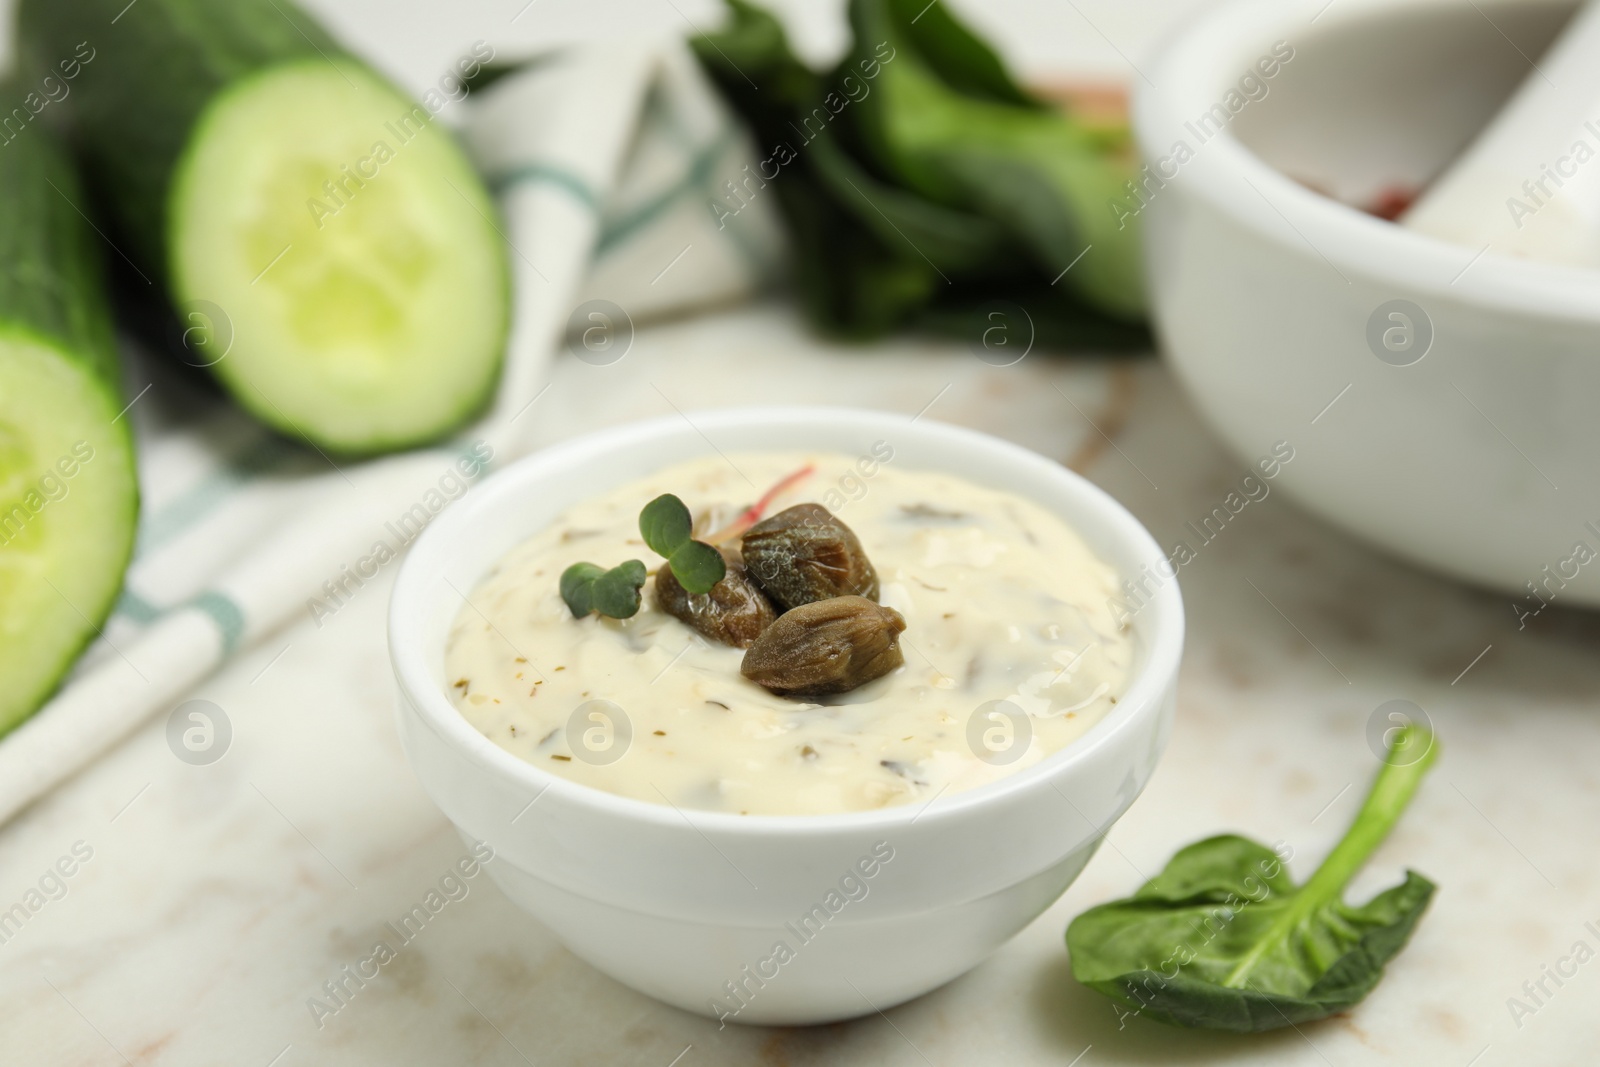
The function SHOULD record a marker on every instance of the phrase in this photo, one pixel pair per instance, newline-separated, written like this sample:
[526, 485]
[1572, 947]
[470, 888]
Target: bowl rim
[1220, 42]
[1147, 691]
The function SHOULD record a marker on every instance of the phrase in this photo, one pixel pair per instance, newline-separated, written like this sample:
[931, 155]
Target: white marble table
[219, 898]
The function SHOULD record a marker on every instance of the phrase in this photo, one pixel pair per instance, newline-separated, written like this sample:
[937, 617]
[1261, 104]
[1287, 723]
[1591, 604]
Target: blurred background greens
[920, 184]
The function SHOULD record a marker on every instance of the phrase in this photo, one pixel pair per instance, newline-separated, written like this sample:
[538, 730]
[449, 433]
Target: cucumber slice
[308, 220]
[347, 241]
[68, 493]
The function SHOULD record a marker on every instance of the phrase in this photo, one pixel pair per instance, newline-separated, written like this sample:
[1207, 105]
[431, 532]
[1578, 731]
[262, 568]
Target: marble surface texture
[219, 898]
[215, 900]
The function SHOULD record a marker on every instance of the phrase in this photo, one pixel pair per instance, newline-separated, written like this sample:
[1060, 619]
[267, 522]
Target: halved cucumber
[68, 500]
[309, 221]
[68, 493]
[347, 242]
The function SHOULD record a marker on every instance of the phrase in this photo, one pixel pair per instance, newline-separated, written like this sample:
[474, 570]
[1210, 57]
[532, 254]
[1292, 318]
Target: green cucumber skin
[50, 281]
[133, 106]
[51, 289]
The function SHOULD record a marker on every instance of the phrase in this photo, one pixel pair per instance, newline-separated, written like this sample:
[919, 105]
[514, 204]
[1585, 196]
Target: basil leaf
[697, 566]
[1222, 938]
[665, 525]
[577, 586]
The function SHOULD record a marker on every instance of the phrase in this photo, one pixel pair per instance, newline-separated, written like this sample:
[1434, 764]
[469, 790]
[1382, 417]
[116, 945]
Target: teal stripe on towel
[262, 455]
[131, 605]
[226, 614]
[536, 173]
[699, 176]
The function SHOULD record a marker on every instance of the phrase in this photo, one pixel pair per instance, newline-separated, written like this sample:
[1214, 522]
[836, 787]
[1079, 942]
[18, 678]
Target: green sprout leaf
[666, 527]
[587, 587]
[1222, 938]
[697, 566]
[616, 592]
[577, 587]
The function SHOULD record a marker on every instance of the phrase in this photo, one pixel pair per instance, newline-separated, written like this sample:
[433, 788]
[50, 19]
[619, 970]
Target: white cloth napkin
[606, 162]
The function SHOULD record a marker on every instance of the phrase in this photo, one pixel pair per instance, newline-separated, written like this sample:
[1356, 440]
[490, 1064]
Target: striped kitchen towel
[605, 161]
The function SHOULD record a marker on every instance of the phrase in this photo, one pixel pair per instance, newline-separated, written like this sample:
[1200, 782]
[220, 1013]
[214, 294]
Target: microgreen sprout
[588, 587]
[666, 527]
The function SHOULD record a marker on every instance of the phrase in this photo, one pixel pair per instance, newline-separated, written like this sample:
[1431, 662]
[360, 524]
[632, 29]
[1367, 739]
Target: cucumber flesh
[68, 501]
[348, 244]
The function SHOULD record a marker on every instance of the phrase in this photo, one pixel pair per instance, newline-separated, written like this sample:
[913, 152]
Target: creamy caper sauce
[1011, 649]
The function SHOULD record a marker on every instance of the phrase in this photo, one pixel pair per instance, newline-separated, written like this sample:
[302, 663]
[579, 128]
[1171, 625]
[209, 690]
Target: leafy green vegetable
[1223, 939]
[920, 184]
[666, 527]
[587, 587]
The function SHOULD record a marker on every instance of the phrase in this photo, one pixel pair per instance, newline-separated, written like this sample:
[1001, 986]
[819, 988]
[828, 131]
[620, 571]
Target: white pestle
[1529, 185]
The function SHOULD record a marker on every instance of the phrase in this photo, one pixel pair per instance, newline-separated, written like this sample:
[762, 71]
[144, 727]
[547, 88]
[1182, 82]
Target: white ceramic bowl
[1476, 460]
[678, 903]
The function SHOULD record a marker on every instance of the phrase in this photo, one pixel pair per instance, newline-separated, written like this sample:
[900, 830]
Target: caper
[734, 612]
[804, 554]
[828, 646]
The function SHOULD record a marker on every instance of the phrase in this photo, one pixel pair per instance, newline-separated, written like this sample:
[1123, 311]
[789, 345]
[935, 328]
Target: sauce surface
[1011, 650]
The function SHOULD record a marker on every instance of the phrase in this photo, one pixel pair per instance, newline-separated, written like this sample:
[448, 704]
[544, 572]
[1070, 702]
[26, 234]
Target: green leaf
[918, 182]
[697, 566]
[616, 592]
[1222, 938]
[587, 587]
[665, 525]
[947, 122]
[577, 586]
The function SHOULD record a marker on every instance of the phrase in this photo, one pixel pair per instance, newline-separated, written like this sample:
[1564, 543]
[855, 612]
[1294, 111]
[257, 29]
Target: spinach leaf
[1222, 938]
[919, 184]
[948, 122]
